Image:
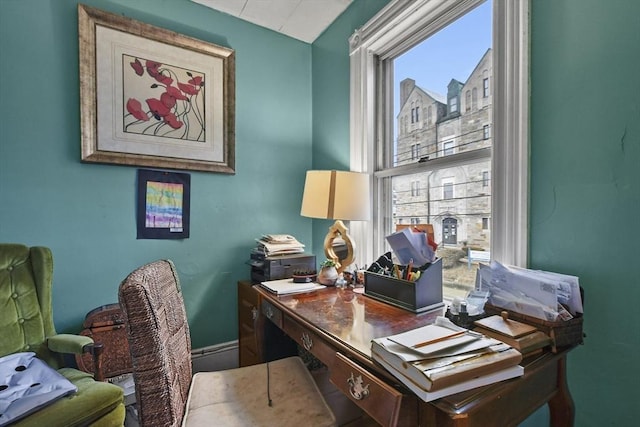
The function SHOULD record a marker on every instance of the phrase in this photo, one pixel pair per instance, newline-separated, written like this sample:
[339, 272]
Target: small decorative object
[341, 282]
[328, 273]
[304, 276]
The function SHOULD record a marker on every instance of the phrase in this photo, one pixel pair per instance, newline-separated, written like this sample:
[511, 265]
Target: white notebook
[287, 286]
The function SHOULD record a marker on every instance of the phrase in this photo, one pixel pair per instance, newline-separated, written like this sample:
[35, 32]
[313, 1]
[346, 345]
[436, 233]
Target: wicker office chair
[280, 393]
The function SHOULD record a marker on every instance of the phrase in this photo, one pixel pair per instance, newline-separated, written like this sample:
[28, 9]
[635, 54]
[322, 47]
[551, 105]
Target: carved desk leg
[561, 407]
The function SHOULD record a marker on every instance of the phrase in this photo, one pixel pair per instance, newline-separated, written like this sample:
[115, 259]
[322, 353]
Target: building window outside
[448, 148]
[415, 151]
[415, 188]
[377, 57]
[467, 101]
[485, 223]
[447, 190]
[485, 132]
[453, 105]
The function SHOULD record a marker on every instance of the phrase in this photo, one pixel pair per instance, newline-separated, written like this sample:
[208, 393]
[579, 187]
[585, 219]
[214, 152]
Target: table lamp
[339, 195]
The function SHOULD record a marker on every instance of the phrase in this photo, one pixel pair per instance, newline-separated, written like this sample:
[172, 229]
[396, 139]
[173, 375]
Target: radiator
[215, 357]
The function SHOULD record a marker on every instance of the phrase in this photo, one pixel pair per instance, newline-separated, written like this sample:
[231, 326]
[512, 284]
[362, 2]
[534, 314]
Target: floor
[346, 412]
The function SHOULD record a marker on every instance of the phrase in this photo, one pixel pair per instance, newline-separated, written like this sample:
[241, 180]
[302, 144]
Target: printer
[264, 268]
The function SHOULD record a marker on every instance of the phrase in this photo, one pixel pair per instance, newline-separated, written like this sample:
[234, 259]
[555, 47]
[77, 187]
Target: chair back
[159, 342]
[25, 299]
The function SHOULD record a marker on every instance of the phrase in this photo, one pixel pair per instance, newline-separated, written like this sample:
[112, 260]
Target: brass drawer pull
[268, 311]
[358, 390]
[307, 342]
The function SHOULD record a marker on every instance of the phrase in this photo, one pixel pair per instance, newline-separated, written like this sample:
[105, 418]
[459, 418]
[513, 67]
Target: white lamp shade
[339, 195]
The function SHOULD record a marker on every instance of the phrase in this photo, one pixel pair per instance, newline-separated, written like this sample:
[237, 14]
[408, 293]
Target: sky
[453, 52]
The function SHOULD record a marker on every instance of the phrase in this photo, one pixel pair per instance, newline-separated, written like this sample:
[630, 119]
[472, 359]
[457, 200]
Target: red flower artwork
[137, 67]
[135, 108]
[177, 110]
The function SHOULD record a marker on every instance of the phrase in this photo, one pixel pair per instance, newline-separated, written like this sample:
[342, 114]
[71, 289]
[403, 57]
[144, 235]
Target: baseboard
[215, 357]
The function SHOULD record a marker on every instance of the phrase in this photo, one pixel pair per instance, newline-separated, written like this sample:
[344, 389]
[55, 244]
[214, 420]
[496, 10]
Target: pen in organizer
[409, 268]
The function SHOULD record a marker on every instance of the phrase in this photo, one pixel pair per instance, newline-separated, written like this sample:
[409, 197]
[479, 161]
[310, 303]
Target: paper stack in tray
[279, 244]
[443, 359]
[544, 295]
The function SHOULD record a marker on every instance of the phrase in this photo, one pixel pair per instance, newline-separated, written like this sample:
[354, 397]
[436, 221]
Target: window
[417, 114]
[447, 190]
[453, 104]
[485, 223]
[447, 148]
[415, 188]
[485, 132]
[415, 151]
[485, 178]
[376, 51]
[467, 101]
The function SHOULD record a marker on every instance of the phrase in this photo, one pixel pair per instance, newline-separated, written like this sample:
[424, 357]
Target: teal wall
[331, 97]
[585, 176]
[585, 152]
[86, 212]
[585, 187]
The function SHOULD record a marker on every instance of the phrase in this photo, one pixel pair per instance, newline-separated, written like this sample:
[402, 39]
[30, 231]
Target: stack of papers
[540, 294]
[287, 286]
[411, 246]
[279, 244]
[442, 359]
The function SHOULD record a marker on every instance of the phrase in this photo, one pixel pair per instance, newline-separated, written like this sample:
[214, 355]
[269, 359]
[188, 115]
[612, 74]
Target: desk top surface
[350, 317]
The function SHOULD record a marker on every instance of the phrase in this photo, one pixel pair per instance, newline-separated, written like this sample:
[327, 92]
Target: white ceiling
[301, 19]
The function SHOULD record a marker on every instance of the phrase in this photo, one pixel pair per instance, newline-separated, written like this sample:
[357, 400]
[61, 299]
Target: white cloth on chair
[28, 384]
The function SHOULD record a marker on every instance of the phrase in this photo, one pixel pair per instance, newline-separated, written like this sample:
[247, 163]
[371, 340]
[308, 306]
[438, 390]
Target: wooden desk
[337, 326]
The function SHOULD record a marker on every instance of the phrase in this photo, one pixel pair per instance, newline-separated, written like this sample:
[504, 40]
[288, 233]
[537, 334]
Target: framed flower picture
[152, 97]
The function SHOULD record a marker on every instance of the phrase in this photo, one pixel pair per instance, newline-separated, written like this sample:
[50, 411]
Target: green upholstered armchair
[26, 324]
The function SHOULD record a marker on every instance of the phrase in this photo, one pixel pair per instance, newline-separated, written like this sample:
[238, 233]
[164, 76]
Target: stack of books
[278, 244]
[441, 359]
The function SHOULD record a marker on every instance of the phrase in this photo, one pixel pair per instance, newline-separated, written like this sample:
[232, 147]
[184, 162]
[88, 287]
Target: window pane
[444, 74]
[458, 205]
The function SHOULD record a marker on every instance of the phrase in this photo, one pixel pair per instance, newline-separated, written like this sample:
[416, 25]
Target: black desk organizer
[422, 295]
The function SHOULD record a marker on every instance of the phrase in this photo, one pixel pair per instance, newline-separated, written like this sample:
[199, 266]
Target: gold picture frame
[153, 97]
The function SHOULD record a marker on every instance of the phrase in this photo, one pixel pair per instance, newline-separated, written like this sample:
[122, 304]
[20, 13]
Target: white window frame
[448, 185]
[449, 147]
[415, 151]
[415, 188]
[391, 32]
[453, 104]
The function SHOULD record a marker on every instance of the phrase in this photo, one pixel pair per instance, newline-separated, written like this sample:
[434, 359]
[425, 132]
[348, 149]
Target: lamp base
[339, 230]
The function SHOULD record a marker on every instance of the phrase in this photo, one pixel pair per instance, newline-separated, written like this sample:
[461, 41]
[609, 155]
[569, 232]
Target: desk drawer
[310, 341]
[272, 313]
[376, 398]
